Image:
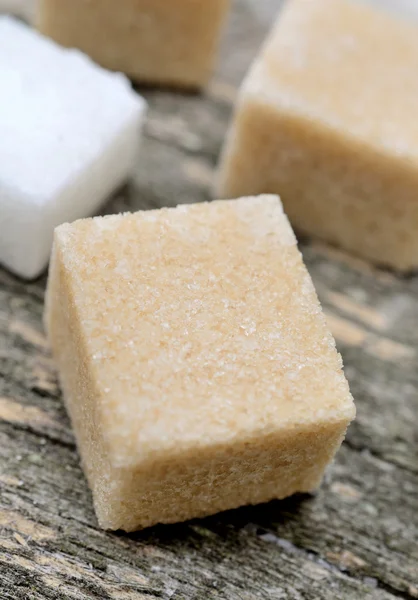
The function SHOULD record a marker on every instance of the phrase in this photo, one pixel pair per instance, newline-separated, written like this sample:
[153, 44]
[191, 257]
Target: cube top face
[201, 326]
[58, 112]
[330, 61]
[155, 41]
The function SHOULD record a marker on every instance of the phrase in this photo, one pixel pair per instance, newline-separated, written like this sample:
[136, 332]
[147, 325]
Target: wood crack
[318, 558]
[44, 435]
[379, 456]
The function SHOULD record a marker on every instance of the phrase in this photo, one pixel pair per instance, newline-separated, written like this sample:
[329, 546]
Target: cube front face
[150, 40]
[195, 361]
[324, 120]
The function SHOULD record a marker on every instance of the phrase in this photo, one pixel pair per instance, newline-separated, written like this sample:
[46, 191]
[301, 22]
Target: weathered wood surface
[357, 538]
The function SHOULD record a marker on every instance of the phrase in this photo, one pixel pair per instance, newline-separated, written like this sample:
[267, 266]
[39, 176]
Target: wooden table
[357, 538]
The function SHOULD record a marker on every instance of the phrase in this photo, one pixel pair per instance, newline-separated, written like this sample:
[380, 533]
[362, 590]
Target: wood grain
[357, 538]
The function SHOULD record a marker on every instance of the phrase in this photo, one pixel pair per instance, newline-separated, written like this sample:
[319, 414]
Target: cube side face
[181, 486]
[331, 187]
[28, 221]
[149, 40]
[86, 191]
[66, 341]
[24, 244]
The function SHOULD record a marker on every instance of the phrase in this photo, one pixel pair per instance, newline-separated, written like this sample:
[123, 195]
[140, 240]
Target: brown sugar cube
[156, 41]
[195, 360]
[327, 118]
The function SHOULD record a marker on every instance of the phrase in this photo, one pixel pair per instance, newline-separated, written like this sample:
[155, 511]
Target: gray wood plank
[357, 538]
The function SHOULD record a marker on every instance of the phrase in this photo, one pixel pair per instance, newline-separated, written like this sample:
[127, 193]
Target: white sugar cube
[69, 135]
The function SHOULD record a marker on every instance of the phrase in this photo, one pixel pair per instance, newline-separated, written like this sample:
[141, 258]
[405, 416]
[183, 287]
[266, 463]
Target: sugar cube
[157, 41]
[69, 135]
[195, 360]
[326, 118]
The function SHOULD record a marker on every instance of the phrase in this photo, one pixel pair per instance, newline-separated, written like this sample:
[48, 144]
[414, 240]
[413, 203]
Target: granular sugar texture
[156, 41]
[195, 360]
[69, 136]
[327, 118]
